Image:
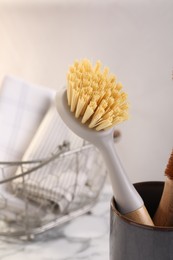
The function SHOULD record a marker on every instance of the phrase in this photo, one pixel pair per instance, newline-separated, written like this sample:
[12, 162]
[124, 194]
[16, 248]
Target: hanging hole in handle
[117, 136]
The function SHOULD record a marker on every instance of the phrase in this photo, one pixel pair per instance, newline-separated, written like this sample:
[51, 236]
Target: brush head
[94, 96]
[74, 124]
[169, 168]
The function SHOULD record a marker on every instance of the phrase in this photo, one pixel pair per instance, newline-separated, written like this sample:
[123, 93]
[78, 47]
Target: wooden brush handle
[164, 213]
[140, 216]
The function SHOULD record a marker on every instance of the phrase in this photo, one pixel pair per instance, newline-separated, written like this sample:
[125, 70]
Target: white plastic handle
[126, 196]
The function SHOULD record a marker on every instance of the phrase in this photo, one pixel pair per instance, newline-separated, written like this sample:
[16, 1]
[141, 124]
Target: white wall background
[39, 39]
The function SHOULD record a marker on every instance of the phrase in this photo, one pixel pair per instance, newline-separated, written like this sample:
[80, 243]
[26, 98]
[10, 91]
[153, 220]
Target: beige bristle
[169, 168]
[95, 96]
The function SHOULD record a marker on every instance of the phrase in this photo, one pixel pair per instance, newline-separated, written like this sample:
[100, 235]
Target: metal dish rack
[81, 195]
[75, 199]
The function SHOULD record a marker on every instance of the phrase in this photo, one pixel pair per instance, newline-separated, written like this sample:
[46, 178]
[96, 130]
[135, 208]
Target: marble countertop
[84, 238]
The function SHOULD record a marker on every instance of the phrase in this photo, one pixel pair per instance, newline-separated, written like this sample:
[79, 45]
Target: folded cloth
[22, 107]
[13, 209]
[58, 181]
[51, 133]
[55, 191]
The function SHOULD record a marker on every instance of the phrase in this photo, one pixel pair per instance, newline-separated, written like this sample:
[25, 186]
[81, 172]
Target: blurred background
[40, 39]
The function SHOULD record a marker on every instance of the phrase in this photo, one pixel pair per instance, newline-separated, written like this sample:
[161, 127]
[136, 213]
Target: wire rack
[49, 192]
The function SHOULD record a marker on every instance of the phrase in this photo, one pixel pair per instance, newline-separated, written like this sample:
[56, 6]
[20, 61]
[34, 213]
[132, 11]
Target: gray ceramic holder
[132, 241]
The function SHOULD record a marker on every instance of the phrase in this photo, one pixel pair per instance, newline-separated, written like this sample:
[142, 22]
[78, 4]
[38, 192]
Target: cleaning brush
[91, 105]
[95, 96]
[164, 213]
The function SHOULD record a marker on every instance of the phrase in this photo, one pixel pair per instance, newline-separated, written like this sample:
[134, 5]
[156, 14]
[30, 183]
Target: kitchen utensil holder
[130, 240]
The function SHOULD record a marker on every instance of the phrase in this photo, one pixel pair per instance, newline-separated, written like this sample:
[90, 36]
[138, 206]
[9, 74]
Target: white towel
[56, 182]
[22, 107]
[51, 133]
